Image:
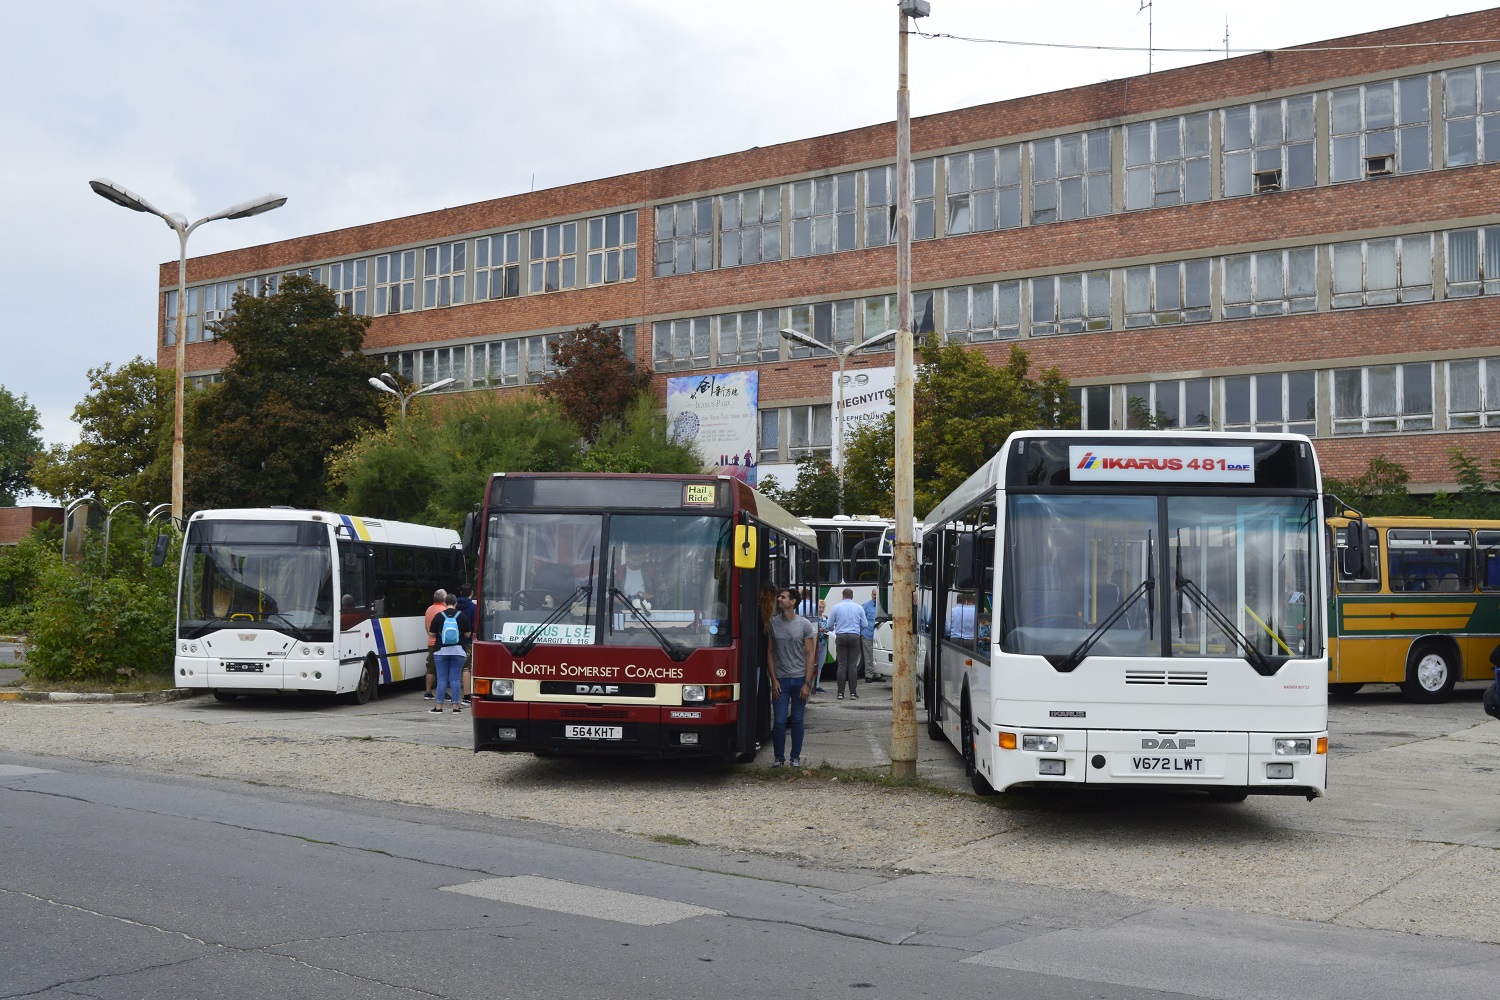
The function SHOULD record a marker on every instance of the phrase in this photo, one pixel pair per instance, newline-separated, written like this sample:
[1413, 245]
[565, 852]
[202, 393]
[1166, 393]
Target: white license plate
[594, 732]
[1167, 765]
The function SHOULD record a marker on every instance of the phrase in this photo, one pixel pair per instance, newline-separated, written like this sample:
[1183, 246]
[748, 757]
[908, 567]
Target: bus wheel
[1430, 674]
[368, 685]
[225, 696]
[979, 782]
[934, 727]
[1345, 688]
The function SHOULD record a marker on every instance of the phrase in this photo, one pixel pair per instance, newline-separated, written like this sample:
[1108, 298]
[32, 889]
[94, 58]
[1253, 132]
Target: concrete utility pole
[904, 577]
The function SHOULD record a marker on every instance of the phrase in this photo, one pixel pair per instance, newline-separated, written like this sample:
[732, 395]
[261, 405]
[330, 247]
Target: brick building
[1301, 240]
[16, 522]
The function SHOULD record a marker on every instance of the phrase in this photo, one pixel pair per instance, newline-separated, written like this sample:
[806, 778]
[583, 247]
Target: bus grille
[1191, 678]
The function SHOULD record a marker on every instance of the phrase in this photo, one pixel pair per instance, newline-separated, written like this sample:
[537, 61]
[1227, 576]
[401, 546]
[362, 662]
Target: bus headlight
[1293, 746]
[1039, 744]
[502, 687]
[693, 693]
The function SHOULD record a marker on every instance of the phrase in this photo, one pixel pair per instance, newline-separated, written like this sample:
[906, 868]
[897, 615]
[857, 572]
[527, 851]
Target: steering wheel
[530, 599]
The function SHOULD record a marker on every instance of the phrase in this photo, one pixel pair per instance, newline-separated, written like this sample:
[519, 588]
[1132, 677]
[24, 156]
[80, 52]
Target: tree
[639, 441]
[595, 382]
[816, 493]
[20, 441]
[294, 393]
[870, 467]
[124, 451]
[1379, 490]
[966, 408]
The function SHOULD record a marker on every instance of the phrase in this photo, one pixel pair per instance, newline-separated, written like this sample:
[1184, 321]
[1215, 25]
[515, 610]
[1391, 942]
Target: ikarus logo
[1089, 461]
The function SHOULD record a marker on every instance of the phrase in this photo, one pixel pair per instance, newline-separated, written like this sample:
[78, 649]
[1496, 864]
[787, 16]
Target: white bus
[884, 667]
[298, 600]
[1131, 608]
[848, 556]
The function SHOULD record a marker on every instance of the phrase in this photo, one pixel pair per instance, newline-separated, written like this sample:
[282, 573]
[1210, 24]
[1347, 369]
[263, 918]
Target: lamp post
[387, 383]
[178, 223]
[904, 573]
[843, 357]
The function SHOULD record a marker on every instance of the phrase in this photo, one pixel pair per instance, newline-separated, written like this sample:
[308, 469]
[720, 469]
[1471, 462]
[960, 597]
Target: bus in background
[1423, 610]
[622, 614]
[1131, 608]
[884, 667]
[848, 556]
[307, 601]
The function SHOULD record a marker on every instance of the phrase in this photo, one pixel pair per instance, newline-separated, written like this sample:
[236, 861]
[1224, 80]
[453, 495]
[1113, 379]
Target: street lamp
[387, 383]
[178, 223]
[843, 357]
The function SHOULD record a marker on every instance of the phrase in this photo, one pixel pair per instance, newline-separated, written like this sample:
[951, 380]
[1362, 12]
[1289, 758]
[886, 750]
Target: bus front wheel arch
[368, 686]
[1432, 669]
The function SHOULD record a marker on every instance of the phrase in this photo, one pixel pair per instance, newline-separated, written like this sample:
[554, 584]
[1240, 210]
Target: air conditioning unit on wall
[213, 315]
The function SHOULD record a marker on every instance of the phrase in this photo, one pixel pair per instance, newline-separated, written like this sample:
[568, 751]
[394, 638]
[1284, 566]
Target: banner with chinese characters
[868, 394]
[717, 415]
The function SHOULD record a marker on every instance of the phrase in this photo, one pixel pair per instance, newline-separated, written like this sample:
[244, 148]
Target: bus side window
[1369, 583]
[1488, 558]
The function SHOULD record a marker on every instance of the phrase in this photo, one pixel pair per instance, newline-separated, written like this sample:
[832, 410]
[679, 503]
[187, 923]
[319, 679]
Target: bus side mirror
[471, 535]
[159, 550]
[744, 546]
[1356, 550]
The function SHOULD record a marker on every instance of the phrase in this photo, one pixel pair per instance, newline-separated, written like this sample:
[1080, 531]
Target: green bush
[90, 629]
[21, 568]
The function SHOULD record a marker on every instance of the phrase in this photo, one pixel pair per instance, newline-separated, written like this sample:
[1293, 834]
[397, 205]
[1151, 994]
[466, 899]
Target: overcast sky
[359, 110]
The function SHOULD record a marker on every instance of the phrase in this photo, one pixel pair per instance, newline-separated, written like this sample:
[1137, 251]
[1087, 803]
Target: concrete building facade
[1306, 239]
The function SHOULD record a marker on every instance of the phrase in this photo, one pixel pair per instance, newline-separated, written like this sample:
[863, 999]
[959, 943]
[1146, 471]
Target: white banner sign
[1186, 466]
[556, 635]
[868, 394]
[717, 415]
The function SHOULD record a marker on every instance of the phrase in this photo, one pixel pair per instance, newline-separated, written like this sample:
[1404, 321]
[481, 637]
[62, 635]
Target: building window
[611, 248]
[1380, 129]
[349, 280]
[203, 381]
[1380, 272]
[679, 344]
[1269, 146]
[444, 362]
[685, 237]
[976, 313]
[1167, 294]
[924, 199]
[1287, 402]
[1473, 262]
[830, 323]
[749, 337]
[1273, 283]
[1474, 393]
[497, 266]
[1093, 407]
[402, 363]
[395, 282]
[1070, 176]
[1382, 398]
[880, 206]
[265, 285]
[497, 364]
[1166, 162]
[444, 269]
[1070, 303]
[541, 363]
[1176, 404]
[192, 317]
[879, 315]
[1471, 115]
[770, 435]
[984, 190]
[809, 430]
[554, 257]
[823, 213]
[750, 227]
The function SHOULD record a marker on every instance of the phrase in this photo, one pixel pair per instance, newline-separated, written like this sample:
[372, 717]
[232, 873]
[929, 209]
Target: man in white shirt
[846, 622]
[961, 618]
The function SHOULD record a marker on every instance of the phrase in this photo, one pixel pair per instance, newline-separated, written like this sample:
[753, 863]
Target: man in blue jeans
[794, 641]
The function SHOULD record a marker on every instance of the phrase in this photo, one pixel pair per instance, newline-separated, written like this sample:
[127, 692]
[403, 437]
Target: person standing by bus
[847, 622]
[812, 609]
[466, 606]
[867, 636]
[794, 640]
[448, 632]
[439, 602]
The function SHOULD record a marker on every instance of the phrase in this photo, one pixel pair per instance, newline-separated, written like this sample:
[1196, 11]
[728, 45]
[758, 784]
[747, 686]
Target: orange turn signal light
[718, 692]
[1322, 744]
[1007, 741]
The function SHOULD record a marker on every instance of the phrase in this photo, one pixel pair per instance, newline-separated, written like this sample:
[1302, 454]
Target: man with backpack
[450, 630]
[433, 610]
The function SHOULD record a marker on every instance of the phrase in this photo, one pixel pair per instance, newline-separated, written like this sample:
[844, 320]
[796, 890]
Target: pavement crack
[1333, 918]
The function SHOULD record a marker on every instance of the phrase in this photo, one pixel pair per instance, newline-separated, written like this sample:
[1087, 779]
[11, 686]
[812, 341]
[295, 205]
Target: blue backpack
[449, 635]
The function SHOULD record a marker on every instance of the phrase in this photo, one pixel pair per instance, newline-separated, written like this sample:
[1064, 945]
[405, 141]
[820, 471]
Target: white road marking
[582, 900]
[16, 770]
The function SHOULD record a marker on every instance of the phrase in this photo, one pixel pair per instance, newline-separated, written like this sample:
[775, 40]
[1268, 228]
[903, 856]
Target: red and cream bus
[621, 614]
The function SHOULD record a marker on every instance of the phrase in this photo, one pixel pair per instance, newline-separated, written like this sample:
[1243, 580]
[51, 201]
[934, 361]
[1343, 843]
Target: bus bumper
[265, 676]
[637, 730]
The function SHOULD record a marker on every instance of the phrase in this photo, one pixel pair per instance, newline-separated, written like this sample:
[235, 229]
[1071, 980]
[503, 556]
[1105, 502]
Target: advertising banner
[717, 415]
[868, 394]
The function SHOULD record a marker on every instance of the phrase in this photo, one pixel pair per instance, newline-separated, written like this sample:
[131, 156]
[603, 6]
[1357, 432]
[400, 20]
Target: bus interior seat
[1449, 582]
[1398, 584]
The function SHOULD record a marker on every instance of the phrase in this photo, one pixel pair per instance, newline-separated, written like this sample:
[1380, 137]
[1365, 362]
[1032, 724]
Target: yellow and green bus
[1421, 609]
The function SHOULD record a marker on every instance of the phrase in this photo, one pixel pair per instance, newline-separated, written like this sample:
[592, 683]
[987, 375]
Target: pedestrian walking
[846, 621]
[794, 641]
[448, 631]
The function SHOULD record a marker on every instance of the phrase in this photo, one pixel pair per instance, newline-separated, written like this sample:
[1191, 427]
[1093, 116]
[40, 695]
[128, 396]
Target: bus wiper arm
[557, 612]
[676, 652]
[1074, 658]
[1257, 659]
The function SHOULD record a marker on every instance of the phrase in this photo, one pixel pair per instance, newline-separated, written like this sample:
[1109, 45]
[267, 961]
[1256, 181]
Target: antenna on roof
[1150, 16]
[1226, 36]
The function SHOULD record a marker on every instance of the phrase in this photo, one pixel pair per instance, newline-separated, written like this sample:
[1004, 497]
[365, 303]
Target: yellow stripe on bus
[1405, 623]
[359, 528]
[1387, 608]
[398, 672]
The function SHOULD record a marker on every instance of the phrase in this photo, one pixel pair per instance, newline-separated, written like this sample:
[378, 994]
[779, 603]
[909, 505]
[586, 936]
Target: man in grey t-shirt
[794, 641]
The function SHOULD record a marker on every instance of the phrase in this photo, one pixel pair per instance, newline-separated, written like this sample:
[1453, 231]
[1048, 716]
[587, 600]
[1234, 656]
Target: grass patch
[672, 838]
[134, 684]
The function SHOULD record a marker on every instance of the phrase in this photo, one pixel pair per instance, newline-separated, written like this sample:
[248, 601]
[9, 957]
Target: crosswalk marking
[582, 900]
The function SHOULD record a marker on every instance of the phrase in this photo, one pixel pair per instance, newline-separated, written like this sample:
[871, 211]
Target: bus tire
[367, 688]
[934, 727]
[1345, 688]
[978, 781]
[1431, 672]
[225, 696]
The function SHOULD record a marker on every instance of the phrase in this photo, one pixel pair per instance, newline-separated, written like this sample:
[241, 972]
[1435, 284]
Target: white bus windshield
[272, 574]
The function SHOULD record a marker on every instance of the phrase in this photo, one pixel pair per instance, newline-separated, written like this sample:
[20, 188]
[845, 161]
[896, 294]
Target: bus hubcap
[1432, 672]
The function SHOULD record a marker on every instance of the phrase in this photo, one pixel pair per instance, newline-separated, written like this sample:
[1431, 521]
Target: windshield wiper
[1258, 660]
[1067, 663]
[584, 590]
[676, 652]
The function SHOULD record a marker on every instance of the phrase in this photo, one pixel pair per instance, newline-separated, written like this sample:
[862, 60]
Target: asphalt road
[121, 883]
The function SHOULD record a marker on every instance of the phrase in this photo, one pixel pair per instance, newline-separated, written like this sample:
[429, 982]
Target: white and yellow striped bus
[275, 599]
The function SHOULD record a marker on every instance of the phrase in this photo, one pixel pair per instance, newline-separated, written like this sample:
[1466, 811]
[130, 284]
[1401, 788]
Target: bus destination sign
[699, 495]
[1184, 466]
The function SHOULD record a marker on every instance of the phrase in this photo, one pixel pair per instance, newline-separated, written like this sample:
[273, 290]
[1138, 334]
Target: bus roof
[365, 528]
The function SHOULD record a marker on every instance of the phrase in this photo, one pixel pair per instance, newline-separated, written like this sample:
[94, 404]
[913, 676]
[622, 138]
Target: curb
[171, 694]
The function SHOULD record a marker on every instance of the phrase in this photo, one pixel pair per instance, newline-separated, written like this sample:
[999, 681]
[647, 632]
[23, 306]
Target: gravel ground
[1285, 857]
